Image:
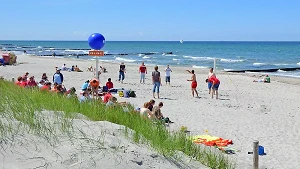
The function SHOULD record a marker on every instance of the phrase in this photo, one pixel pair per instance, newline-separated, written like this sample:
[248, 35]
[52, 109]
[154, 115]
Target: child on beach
[194, 82]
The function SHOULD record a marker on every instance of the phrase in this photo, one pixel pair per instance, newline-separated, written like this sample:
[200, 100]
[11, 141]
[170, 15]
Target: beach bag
[121, 93]
[126, 93]
[132, 93]
[105, 89]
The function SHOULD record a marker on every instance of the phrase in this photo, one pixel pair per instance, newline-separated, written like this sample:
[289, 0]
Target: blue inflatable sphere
[96, 41]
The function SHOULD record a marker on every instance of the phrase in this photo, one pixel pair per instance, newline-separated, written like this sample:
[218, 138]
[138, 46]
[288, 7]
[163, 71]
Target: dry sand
[246, 111]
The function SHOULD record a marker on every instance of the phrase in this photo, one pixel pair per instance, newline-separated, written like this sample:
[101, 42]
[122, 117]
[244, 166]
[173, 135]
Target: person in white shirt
[168, 74]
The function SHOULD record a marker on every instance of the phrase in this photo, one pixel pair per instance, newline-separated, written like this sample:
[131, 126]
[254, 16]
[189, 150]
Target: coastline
[246, 111]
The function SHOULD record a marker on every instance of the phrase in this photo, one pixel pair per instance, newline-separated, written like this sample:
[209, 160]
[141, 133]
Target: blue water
[229, 55]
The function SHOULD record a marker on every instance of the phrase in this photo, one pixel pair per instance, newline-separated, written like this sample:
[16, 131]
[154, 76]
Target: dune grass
[21, 104]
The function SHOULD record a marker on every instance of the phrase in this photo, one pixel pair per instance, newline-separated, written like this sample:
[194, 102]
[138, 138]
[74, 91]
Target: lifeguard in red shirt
[143, 72]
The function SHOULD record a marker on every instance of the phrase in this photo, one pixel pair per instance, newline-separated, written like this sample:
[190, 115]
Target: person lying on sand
[266, 79]
[76, 69]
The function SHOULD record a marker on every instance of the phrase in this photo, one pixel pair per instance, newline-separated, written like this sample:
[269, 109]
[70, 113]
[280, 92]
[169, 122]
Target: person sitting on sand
[54, 88]
[109, 84]
[71, 93]
[31, 82]
[85, 97]
[90, 69]
[103, 69]
[215, 86]
[106, 97]
[19, 80]
[44, 77]
[41, 83]
[26, 75]
[85, 85]
[151, 104]
[194, 82]
[145, 112]
[23, 82]
[157, 113]
[76, 69]
[64, 67]
[46, 87]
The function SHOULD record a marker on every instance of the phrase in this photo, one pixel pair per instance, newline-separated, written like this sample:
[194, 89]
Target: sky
[151, 20]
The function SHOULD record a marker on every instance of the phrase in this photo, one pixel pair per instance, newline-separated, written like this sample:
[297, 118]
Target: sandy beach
[245, 111]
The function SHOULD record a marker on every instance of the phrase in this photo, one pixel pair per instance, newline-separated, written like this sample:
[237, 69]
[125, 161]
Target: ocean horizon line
[152, 40]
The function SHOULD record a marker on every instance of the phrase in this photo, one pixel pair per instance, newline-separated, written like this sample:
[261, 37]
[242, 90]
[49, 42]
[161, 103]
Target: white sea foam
[125, 60]
[281, 64]
[280, 70]
[259, 64]
[141, 54]
[175, 59]
[199, 58]
[231, 60]
[298, 63]
[146, 57]
[228, 69]
[199, 67]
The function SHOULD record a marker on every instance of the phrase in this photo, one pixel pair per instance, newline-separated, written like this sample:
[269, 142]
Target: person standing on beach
[215, 86]
[168, 74]
[156, 80]
[58, 77]
[210, 74]
[143, 72]
[122, 72]
[194, 82]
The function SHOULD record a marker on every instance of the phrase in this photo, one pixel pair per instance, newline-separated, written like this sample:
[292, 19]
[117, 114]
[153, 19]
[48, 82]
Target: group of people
[44, 84]
[212, 80]
[149, 111]
[72, 69]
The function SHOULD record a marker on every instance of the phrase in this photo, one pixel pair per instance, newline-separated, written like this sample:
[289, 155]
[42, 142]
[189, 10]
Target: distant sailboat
[181, 41]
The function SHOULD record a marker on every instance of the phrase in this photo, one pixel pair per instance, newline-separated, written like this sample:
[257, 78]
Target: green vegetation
[23, 105]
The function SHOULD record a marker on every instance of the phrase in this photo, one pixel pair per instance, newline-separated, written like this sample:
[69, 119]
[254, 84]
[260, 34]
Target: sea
[228, 55]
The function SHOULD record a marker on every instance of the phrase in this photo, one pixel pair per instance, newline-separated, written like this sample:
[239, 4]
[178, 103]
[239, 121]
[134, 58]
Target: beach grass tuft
[26, 107]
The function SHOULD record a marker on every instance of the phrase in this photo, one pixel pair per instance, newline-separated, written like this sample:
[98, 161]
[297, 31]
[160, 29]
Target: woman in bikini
[194, 82]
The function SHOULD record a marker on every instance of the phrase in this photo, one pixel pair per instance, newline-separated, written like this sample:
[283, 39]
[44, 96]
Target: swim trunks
[194, 85]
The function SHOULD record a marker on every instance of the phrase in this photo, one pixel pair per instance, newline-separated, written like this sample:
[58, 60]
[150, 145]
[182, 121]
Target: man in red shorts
[194, 82]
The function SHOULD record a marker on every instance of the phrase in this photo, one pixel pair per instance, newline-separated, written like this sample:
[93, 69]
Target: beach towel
[210, 140]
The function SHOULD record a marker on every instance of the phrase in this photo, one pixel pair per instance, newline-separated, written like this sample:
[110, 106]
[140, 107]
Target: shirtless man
[210, 74]
[194, 82]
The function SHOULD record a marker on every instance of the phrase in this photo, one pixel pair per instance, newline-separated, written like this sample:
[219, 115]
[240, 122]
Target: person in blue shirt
[85, 85]
[58, 77]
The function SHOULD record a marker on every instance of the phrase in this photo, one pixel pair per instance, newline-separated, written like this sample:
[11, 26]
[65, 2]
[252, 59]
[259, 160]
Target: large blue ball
[96, 41]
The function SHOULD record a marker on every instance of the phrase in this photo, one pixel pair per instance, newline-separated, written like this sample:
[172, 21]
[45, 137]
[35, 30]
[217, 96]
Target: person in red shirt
[23, 82]
[19, 80]
[46, 87]
[215, 86]
[143, 71]
[107, 96]
[109, 84]
[31, 82]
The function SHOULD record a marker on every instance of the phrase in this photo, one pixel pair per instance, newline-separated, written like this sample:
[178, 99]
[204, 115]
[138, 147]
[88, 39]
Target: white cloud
[80, 33]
